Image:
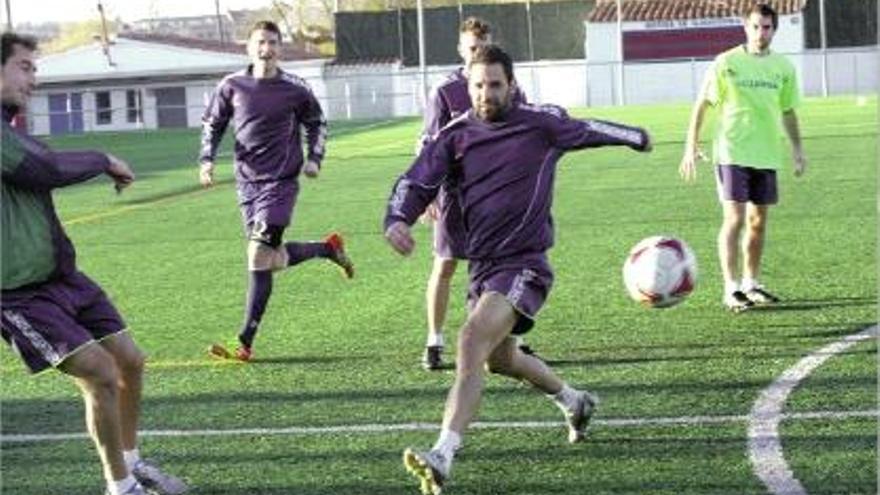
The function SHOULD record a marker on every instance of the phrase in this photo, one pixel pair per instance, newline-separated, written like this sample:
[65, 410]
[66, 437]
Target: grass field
[676, 385]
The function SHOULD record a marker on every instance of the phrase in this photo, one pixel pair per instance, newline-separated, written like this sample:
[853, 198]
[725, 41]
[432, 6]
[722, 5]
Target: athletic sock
[119, 487]
[749, 283]
[730, 286]
[435, 339]
[448, 442]
[297, 252]
[259, 290]
[131, 458]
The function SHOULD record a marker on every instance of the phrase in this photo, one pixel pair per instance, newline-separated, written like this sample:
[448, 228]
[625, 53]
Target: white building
[133, 85]
[668, 45]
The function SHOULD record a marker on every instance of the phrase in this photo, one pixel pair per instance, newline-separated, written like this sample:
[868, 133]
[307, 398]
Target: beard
[492, 111]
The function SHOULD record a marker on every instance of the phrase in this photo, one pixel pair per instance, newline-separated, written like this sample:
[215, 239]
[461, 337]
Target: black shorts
[266, 234]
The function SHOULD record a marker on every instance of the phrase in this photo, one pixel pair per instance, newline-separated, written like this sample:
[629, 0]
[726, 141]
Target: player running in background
[267, 107]
[447, 101]
[754, 89]
[503, 157]
[53, 315]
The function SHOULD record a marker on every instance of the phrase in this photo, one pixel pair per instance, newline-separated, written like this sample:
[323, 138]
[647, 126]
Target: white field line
[765, 447]
[482, 425]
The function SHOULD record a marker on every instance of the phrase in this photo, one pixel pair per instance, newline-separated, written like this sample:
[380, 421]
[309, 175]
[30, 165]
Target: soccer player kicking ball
[267, 107]
[754, 89]
[447, 101]
[503, 156]
[54, 315]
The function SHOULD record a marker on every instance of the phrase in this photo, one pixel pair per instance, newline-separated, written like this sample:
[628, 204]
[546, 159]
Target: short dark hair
[765, 10]
[476, 26]
[11, 39]
[494, 54]
[265, 26]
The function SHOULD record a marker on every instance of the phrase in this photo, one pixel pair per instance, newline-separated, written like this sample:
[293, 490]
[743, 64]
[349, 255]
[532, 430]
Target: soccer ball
[660, 271]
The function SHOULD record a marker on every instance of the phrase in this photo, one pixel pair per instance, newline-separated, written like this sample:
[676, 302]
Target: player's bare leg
[130, 363]
[753, 250]
[437, 302]
[728, 254]
[487, 325]
[578, 406]
[94, 370]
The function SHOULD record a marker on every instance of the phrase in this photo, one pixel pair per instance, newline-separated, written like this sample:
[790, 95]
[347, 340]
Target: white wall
[38, 114]
[673, 80]
[602, 44]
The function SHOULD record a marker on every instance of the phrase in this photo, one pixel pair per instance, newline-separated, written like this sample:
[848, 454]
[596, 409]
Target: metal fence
[381, 91]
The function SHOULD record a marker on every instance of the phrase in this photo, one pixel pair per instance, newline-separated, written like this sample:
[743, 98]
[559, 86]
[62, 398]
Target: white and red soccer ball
[660, 271]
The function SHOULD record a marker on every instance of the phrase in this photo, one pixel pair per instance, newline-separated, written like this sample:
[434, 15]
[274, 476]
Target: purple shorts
[746, 184]
[449, 233]
[524, 280]
[270, 202]
[45, 324]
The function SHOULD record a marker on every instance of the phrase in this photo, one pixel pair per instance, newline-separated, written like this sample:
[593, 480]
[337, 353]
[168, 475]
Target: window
[134, 106]
[104, 113]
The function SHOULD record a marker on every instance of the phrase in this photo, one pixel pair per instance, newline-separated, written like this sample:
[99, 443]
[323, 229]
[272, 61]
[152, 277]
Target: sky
[38, 11]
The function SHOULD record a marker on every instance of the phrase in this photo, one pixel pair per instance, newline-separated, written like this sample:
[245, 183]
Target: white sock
[448, 442]
[749, 283]
[519, 341]
[435, 339]
[119, 487]
[566, 398]
[730, 286]
[131, 458]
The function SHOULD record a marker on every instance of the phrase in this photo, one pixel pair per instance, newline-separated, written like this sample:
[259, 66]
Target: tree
[75, 34]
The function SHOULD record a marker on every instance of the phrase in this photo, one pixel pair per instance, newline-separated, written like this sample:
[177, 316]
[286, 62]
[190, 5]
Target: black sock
[297, 252]
[259, 290]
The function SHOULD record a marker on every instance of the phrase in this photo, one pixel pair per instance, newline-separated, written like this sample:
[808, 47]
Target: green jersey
[34, 246]
[751, 92]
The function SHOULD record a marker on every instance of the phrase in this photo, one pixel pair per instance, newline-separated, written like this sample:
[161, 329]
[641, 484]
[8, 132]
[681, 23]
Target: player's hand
[120, 172]
[311, 169]
[206, 174]
[688, 167]
[431, 214]
[800, 163]
[399, 237]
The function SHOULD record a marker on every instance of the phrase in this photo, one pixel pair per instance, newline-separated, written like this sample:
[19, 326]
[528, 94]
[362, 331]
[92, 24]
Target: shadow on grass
[244, 409]
[673, 358]
[486, 468]
[814, 304]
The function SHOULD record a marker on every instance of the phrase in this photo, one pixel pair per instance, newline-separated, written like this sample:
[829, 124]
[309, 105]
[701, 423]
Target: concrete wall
[668, 80]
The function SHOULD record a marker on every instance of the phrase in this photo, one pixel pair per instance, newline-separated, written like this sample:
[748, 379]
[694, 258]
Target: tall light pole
[423, 84]
[9, 15]
[219, 22]
[621, 98]
[824, 47]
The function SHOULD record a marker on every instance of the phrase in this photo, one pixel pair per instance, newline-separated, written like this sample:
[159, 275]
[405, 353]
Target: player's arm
[571, 134]
[437, 115]
[789, 99]
[712, 93]
[792, 128]
[214, 122]
[316, 135]
[687, 169]
[36, 167]
[413, 192]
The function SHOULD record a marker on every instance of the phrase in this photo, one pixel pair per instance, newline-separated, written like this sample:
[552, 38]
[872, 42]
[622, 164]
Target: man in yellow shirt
[754, 90]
